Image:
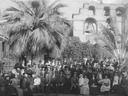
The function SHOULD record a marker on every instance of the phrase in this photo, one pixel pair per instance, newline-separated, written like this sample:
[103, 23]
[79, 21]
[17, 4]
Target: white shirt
[81, 81]
[37, 81]
[116, 80]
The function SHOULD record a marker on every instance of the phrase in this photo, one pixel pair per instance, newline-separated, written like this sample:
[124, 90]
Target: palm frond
[113, 25]
[23, 7]
[12, 9]
[52, 10]
[109, 36]
[104, 40]
[39, 39]
[57, 7]
[18, 43]
[55, 52]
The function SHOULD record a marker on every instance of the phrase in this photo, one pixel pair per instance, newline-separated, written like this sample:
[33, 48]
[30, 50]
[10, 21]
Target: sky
[72, 5]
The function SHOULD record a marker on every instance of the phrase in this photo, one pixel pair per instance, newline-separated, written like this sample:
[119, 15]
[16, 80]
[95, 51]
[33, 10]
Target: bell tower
[92, 14]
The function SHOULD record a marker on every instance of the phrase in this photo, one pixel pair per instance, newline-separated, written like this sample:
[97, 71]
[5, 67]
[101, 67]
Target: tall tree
[77, 50]
[36, 28]
[73, 50]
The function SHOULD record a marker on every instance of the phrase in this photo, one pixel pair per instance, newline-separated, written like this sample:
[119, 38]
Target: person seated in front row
[105, 87]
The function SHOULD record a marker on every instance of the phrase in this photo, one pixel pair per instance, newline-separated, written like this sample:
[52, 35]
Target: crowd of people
[87, 77]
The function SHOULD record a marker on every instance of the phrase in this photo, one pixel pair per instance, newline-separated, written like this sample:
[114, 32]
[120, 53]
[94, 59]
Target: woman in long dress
[105, 84]
[116, 80]
[115, 84]
[83, 83]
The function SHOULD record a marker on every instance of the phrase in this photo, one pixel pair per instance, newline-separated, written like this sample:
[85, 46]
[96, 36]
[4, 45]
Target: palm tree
[113, 40]
[36, 28]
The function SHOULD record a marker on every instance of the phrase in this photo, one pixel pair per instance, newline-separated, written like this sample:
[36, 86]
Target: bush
[76, 50]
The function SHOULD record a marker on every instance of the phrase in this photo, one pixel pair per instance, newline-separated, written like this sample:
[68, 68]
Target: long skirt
[84, 89]
[105, 88]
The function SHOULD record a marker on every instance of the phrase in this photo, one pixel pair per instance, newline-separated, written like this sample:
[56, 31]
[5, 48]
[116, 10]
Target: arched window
[92, 8]
[107, 11]
[119, 11]
[90, 25]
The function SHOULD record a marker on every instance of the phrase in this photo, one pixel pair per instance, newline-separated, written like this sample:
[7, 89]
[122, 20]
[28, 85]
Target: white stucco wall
[84, 13]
